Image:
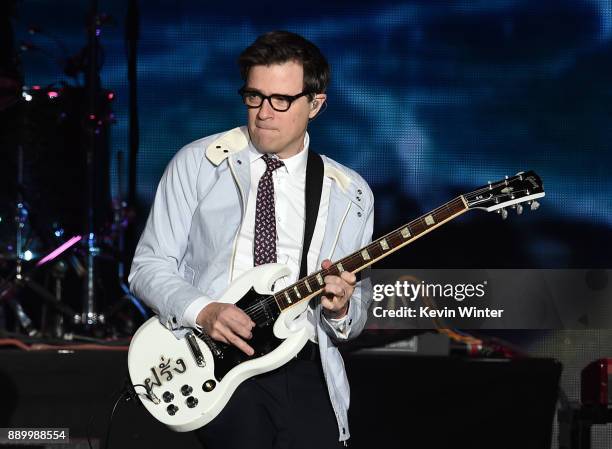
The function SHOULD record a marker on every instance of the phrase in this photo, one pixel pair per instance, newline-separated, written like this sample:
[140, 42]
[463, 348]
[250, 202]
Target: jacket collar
[236, 143]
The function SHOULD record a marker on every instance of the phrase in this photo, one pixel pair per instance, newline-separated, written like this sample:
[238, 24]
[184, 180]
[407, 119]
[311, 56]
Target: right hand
[228, 324]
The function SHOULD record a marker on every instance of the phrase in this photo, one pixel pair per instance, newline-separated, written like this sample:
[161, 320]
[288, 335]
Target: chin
[265, 145]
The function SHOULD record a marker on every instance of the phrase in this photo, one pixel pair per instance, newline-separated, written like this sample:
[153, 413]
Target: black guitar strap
[312, 192]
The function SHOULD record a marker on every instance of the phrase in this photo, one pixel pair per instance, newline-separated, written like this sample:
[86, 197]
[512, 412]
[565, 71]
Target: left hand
[337, 292]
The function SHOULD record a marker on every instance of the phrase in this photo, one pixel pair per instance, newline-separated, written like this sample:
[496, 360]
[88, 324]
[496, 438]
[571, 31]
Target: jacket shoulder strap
[312, 191]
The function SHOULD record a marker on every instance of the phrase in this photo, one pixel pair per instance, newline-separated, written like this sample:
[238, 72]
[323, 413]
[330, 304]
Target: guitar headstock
[524, 187]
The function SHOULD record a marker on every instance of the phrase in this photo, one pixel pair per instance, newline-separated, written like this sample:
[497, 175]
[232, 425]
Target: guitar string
[493, 186]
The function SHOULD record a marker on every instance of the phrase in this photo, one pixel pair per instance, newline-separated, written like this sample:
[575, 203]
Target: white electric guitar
[185, 383]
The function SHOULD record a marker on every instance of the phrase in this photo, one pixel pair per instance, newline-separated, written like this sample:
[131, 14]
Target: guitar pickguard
[263, 341]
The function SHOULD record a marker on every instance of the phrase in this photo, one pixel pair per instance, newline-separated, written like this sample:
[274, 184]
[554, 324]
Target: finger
[331, 306]
[232, 338]
[239, 315]
[217, 333]
[239, 328]
[348, 277]
[217, 336]
[334, 290]
[326, 264]
[240, 344]
[327, 303]
[331, 279]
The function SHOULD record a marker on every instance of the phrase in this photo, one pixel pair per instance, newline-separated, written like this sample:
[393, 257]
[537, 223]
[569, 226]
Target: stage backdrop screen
[428, 100]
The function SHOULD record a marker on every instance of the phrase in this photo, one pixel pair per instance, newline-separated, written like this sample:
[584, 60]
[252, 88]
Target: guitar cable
[127, 393]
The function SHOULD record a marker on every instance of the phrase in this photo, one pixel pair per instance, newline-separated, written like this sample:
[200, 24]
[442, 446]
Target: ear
[316, 104]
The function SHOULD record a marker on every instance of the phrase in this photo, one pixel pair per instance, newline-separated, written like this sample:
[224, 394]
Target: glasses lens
[280, 103]
[252, 99]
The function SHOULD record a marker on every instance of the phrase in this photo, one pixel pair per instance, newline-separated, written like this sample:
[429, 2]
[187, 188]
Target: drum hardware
[22, 279]
[77, 267]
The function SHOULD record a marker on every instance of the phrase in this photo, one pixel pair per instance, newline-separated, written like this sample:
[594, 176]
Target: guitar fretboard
[371, 253]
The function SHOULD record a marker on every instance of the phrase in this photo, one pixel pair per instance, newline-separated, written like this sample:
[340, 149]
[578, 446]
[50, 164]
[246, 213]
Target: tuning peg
[490, 186]
[534, 205]
[506, 181]
[503, 212]
[519, 209]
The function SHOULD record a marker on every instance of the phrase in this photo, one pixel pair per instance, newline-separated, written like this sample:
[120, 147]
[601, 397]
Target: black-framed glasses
[280, 103]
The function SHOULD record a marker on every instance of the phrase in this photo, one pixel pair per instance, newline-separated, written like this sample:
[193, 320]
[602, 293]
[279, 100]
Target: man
[241, 198]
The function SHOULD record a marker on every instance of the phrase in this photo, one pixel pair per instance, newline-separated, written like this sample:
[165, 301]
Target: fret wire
[302, 289]
[305, 289]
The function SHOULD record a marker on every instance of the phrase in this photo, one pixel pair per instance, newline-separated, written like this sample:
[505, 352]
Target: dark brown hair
[278, 47]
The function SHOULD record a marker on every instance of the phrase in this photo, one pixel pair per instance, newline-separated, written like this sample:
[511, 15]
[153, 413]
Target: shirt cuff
[193, 310]
[339, 325]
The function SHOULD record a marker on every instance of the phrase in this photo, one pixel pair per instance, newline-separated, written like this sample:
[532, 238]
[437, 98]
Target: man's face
[271, 131]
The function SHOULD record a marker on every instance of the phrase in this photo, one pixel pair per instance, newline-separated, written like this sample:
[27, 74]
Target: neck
[291, 150]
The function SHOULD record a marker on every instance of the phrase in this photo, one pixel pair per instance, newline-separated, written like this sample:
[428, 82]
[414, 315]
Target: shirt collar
[295, 165]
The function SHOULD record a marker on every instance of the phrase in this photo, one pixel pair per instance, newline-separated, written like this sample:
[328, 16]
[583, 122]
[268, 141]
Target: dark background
[428, 100]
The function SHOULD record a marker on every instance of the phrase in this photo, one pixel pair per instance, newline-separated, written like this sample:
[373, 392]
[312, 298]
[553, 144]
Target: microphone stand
[90, 316]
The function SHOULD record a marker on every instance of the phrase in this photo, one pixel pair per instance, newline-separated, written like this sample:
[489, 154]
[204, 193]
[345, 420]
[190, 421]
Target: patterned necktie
[264, 249]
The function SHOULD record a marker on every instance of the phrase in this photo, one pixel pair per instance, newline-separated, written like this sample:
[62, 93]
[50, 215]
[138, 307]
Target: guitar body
[186, 394]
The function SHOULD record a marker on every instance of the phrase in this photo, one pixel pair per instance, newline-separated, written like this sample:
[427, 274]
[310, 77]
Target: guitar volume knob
[167, 396]
[191, 402]
[186, 390]
[172, 409]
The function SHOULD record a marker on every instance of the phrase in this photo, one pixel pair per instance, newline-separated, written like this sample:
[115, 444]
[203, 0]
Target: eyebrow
[252, 89]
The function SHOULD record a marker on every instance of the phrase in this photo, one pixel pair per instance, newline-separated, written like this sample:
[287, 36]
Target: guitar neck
[311, 285]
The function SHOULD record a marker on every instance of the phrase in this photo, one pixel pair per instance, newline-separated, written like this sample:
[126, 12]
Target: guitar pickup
[195, 350]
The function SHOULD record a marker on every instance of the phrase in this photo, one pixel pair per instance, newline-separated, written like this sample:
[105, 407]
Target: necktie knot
[272, 163]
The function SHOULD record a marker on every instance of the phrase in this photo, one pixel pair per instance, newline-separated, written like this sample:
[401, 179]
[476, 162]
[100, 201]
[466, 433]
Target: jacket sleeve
[155, 276]
[359, 303]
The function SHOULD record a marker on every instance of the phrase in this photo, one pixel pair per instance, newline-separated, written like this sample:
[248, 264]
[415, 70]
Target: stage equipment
[61, 236]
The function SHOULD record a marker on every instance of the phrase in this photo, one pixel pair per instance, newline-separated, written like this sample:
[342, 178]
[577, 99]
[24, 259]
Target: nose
[265, 110]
